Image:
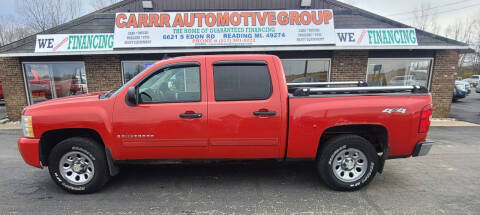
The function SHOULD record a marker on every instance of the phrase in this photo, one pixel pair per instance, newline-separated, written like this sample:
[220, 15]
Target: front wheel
[347, 162]
[78, 165]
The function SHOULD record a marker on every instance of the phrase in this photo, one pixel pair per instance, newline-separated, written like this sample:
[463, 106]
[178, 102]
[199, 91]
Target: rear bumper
[422, 148]
[29, 149]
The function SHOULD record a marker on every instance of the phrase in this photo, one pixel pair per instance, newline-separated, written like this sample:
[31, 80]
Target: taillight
[425, 116]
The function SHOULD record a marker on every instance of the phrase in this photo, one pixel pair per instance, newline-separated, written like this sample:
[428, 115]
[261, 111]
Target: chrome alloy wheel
[349, 165]
[77, 168]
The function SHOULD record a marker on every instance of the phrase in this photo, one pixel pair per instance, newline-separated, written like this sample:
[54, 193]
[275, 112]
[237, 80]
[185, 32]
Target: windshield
[115, 92]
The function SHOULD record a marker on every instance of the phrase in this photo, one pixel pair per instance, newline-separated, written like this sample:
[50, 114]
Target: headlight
[27, 126]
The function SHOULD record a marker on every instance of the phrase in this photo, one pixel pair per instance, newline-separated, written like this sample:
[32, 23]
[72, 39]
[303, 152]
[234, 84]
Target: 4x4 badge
[394, 110]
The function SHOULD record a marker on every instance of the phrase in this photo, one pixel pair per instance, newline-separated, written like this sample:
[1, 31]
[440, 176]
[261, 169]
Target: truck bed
[314, 115]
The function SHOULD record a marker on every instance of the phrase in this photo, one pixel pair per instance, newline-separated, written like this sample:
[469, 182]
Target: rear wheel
[78, 165]
[347, 162]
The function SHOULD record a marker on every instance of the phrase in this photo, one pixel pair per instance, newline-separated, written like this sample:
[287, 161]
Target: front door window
[172, 85]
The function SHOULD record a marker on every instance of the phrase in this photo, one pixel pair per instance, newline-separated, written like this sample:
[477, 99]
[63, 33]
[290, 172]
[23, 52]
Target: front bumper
[29, 149]
[422, 148]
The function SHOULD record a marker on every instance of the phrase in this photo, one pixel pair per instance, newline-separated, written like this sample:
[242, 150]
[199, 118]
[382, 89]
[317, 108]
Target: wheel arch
[51, 138]
[376, 134]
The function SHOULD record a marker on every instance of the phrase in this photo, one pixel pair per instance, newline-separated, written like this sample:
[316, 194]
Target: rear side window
[237, 82]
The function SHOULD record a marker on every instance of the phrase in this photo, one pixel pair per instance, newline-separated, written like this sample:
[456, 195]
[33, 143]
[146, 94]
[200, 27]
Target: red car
[226, 107]
[40, 84]
[1, 92]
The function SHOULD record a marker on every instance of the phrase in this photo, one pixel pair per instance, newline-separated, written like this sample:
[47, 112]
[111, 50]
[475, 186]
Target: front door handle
[190, 115]
[264, 113]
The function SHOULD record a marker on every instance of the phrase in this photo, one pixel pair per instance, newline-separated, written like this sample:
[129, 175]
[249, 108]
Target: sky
[8, 8]
[447, 11]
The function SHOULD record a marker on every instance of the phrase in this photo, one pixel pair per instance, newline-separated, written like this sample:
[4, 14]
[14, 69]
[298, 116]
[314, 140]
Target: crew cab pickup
[219, 107]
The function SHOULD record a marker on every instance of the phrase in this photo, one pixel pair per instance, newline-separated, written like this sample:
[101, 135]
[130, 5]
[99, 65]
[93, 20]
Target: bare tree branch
[11, 30]
[425, 19]
[466, 30]
[41, 15]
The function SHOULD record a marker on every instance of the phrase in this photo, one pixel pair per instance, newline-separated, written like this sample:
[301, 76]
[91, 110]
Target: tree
[466, 30]
[463, 30]
[425, 19]
[11, 30]
[476, 58]
[99, 4]
[40, 15]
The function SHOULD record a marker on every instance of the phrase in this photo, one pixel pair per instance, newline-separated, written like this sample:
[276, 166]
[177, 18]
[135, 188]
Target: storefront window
[306, 70]
[132, 68]
[398, 72]
[54, 80]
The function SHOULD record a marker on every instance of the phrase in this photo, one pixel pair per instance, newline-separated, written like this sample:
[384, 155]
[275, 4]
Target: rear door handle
[190, 115]
[264, 113]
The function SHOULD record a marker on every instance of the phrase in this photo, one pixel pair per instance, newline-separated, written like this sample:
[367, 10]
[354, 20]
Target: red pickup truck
[226, 107]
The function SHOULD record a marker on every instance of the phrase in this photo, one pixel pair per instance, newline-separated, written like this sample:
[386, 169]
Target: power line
[446, 11]
[434, 7]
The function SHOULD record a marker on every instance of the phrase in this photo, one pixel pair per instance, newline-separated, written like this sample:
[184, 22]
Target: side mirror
[132, 98]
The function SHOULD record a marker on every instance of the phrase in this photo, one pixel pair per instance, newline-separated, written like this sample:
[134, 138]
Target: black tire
[342, 144]
[94, 152]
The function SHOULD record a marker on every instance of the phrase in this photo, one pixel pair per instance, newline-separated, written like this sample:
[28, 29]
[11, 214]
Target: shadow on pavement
[303, 173]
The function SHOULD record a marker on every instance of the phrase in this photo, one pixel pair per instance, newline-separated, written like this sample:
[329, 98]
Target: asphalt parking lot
[467, 109]
[444, 182]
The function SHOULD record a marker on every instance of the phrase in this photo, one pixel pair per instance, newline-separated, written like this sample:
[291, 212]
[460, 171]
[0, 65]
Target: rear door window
[238, 82]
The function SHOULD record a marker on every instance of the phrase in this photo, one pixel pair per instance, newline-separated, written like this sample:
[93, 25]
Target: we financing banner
[73, 42]
[224, 28]
[376, 37]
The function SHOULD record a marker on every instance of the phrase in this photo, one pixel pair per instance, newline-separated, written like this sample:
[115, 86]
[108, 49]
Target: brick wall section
[11, 77]
[103, 72]
[443, 79]
[349, 65]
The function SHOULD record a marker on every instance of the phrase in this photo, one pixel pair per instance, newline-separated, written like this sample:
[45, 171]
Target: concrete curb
[454, 123]
[8, 125]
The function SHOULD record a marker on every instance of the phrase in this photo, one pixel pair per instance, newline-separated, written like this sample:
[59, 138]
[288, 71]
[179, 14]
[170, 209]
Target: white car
[463, 85]
[473, 80]
[404, 80]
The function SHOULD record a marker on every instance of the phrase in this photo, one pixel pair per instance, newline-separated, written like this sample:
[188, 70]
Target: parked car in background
[404, 80]
[458, 93]
[41, 84]
[473, 80]
[477, 80]
[478, 87]
[463, 85]
[421, 77]
[1, 92]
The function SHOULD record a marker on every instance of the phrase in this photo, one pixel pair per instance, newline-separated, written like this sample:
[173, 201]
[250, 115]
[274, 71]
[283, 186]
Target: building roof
[346, 17]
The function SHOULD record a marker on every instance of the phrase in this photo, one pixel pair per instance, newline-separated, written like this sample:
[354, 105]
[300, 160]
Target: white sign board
[73, 42]
[224, 28]
[376, 37]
